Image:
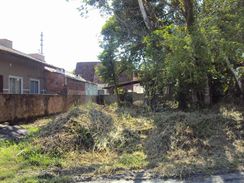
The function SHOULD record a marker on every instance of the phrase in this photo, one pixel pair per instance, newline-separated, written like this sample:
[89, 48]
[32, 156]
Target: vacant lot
[97, 141]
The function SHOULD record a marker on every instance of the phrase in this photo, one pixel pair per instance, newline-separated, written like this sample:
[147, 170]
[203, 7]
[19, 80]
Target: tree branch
[144, 15]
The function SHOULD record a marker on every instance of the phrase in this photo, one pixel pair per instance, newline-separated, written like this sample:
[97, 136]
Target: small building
[87, 70]
[60, 82]
[22, 73]
[75, 85]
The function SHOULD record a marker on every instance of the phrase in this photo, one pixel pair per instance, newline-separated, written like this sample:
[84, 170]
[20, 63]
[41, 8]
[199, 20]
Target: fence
[15, 107]
[130, 97]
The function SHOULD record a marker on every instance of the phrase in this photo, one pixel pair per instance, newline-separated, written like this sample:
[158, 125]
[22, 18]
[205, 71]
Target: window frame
[39, 86]
[21, 87]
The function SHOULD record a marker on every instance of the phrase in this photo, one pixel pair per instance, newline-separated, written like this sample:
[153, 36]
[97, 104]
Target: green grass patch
[136, 160]
[22, 161]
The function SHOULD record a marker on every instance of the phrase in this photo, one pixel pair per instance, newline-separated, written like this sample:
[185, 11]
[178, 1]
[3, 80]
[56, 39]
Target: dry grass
[93, 140]
[170, 143]
[91, 128]
[187, 143]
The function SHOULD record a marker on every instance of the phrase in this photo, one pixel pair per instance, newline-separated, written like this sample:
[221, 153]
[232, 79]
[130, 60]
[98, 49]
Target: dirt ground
[139, 178]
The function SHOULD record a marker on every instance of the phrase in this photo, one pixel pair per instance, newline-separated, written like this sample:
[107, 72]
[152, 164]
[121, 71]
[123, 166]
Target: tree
[112, 64]
[193, 44]
[223, 27]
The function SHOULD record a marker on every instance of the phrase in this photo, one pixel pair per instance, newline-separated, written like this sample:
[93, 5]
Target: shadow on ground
[15, 133]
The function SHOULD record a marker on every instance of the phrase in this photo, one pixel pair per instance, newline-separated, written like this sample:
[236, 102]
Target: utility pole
[41, 43]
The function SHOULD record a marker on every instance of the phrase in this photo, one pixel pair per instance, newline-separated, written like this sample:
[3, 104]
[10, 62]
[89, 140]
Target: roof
[123, 84]
[86, 70]
[21, 54]
[67, 74]
[47, 67]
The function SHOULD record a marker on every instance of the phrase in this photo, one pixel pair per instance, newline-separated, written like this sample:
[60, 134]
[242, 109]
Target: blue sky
[68, 37]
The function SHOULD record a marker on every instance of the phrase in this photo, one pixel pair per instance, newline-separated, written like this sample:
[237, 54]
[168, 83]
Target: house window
[34, 86]
[15, 85]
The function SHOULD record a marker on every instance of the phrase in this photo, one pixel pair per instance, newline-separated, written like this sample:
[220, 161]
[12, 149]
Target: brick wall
[75, 87]
[15, 107]
[55, 83]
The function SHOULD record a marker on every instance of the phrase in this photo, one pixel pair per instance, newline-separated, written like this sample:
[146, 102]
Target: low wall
[109, 99]
[15, 107]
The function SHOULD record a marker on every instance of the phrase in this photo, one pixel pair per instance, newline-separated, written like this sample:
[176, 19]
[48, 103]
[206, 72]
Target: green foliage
[187, 59]
[223, 26]
[152, 69]
[191, 45]
[113, 61]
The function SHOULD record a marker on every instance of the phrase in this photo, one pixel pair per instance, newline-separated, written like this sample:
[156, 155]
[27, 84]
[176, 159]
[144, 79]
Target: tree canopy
[194, 46]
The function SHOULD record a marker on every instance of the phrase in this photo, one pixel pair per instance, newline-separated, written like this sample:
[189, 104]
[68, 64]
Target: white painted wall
[91, 89]
[137, 88]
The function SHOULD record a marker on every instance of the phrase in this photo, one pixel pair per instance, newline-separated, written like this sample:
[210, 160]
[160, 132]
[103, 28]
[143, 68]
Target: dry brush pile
[92, 128]
[183, 143]
[174, 143]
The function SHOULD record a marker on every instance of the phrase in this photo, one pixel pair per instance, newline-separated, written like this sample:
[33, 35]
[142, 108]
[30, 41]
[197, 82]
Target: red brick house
[61, 82]
[87, 71]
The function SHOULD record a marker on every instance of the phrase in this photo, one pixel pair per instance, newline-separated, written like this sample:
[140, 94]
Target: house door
[1, 84]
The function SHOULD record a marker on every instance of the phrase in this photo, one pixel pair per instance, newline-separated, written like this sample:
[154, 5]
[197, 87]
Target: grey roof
[21, 54]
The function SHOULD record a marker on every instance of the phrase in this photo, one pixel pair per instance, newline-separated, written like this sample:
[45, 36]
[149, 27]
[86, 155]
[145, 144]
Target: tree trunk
[150, 18]
[207, 98]
[182, 101]
[144, 14]
[117, 95]
[189, 17]
[234, 73]
[194, 97]
[182, 96]
[116, 86]
[188, 13]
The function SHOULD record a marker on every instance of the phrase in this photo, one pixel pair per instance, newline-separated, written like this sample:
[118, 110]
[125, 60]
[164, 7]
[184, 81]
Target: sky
[68, 37]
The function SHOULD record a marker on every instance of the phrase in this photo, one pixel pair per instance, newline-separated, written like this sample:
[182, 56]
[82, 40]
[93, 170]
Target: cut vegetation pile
[187, 143]
[95, 140]
[170, 143]
[92, 128]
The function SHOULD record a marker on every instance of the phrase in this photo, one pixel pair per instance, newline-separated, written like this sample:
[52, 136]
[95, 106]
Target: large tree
[192, 44]
[113, 65]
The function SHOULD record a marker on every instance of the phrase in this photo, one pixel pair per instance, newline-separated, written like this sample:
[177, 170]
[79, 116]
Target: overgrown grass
[20, 161]
[95, 140]
[23, 162]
